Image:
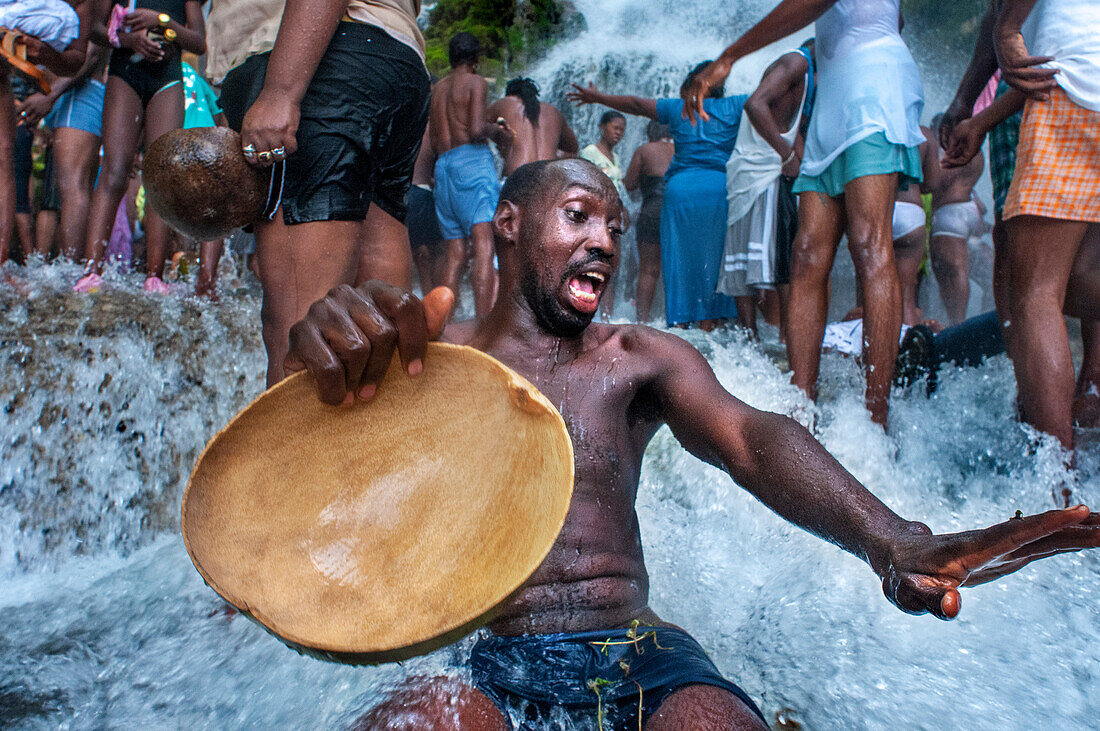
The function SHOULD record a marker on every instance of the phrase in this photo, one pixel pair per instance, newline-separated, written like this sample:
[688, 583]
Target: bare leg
[210, 253]
[821, 222]
[1083, 293]
[704, 708]
[422, 257]
[746, 312]
[908, 254]
[122, 114]
[649, 270]
[950, 264]
[164, 114]
[7, 163]
[770, 307]
[298, 266]
[453, 265]
[441, 704]
[483, 276]
[1041, 252]
[76, 157]
[870, 202]
[1086, 402]
[384, 251]
[45, 228]
[24, 226]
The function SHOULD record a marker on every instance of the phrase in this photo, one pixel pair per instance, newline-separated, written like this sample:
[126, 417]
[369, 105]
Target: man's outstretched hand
[926, 571]
[347, 339]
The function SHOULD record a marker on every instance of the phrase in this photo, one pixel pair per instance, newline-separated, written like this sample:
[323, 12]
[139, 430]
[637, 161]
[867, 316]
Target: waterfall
[106, 400]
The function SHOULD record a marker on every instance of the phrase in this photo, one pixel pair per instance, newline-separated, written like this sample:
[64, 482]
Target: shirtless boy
[466, 185]
[541, 132]
[558, 230]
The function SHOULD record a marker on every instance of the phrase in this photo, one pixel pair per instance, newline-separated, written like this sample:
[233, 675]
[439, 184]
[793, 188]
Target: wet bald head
[545, 179]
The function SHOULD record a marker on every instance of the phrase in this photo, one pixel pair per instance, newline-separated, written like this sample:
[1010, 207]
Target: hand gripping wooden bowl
[385, 530]
[201, 185]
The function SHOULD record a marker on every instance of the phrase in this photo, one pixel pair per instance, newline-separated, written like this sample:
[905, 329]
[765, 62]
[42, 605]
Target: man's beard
[554, 318]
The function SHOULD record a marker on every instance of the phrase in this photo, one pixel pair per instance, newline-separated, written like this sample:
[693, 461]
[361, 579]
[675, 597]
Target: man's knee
[704, 708]
[443, 704]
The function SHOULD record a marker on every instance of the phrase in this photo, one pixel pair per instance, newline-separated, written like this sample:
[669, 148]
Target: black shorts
[786, 229]
[240, 88]
[422, 220]
[147, 78]
[587, 673]
[363, 117]
[49, 196]
[24, 167]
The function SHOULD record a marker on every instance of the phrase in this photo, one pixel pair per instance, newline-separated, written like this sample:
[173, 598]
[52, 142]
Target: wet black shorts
[362, 120]
[422, 220]
[147, 78]
[588, 673]
[786, 229]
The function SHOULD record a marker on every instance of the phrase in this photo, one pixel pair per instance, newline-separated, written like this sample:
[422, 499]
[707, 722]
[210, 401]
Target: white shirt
[867, 82]
[1069, 32]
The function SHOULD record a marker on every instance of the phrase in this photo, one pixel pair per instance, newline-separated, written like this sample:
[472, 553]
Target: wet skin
[545, 141]
[615, 386]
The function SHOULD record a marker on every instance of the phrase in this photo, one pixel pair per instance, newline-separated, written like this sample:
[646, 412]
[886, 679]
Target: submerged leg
[704, 708]
[441, 704]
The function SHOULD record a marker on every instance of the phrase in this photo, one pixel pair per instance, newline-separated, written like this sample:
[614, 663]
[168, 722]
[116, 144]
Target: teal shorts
[873, 155]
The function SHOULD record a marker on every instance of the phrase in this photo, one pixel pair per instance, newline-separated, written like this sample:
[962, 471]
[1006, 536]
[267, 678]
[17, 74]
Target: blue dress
[693, 219]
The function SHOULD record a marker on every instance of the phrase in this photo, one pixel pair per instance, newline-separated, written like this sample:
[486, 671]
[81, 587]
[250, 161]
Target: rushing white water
[106, 400]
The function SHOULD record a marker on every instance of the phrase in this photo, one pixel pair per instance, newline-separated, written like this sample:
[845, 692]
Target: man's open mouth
[584, 291]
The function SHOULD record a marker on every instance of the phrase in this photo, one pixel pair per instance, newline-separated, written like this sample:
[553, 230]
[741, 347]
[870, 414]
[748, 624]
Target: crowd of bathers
[740, 200]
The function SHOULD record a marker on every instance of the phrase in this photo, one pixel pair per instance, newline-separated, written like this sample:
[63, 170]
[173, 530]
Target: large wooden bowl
[385, 530]
[201, 185]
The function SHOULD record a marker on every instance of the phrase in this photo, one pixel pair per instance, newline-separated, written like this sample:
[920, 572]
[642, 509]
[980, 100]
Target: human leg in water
[869, 202]
[821, 222]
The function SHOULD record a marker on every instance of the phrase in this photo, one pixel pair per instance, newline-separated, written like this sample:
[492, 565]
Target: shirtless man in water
[466, 185]
[541, 132]
[557, 233]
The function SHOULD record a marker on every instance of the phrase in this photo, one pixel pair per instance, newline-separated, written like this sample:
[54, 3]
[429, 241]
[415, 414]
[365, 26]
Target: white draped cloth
[867, 82]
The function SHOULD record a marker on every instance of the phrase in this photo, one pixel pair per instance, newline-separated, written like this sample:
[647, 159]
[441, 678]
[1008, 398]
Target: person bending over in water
[466, 185]
[540, 131]
[579, 633]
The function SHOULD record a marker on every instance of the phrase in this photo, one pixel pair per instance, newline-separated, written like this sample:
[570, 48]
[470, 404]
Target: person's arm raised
[306, 29]
[787, 17]
[783, 466]
[635, 105]
[780, 78]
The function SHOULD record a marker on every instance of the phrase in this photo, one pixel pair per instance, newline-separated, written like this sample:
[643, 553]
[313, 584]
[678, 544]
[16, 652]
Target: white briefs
[908, 217]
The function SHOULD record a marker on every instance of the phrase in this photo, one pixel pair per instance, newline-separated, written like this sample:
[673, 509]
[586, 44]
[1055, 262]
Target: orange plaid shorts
[1057, 162]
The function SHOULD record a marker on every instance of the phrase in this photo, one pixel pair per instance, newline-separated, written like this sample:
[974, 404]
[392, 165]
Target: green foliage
[509, 31]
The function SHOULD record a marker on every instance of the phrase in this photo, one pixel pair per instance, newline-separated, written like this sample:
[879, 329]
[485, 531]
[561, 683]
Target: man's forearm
[789, 16]
[635, 105]
[762, 119]
[983, 64]
[306, 29]
[1011, 14]
[790, 472]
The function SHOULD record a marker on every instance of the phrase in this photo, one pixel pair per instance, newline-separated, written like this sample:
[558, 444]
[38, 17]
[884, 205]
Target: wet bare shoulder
[647, 352]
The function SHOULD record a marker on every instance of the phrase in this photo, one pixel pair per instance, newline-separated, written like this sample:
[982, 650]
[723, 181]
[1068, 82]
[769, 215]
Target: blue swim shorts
[466, 189]
[81, 107]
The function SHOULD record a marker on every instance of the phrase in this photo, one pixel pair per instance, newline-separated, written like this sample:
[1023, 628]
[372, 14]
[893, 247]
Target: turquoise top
[707, 145]
[200, 103]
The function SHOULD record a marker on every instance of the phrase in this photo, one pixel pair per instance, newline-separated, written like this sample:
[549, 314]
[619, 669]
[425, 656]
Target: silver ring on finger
[249, 150]
[264, 157]
[279, 153]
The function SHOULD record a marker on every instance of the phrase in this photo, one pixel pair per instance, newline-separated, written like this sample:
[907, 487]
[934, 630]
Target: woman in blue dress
[693, 232]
